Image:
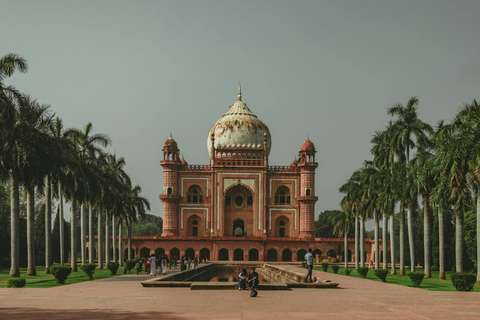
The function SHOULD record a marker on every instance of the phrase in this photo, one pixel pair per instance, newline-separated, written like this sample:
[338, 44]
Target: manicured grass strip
[433, 283]
[42, 280]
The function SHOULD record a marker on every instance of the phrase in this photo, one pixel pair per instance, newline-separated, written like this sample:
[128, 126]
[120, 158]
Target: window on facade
[249, 201]
[169, 190]
[307, 192]
[239, 201]
[227, 200]
[282, 196]
[194, 194]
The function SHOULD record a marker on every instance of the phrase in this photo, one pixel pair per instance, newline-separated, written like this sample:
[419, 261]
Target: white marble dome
[238, 127]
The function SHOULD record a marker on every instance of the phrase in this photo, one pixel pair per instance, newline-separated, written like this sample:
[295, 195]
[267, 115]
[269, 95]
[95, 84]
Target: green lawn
[42, 280]
[433, 284]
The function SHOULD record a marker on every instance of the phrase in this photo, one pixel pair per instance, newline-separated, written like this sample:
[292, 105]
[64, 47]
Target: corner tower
[307, 198]
[171, 164]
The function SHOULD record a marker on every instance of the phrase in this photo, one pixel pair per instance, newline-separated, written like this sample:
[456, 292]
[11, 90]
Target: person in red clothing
[147, 266]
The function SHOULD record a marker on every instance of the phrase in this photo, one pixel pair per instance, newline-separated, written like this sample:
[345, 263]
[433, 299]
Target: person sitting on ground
[253, 279]
[242, 279]
[315, 280]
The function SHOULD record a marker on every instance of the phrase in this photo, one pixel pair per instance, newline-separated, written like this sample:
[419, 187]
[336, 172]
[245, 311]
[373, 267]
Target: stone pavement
[124, 298]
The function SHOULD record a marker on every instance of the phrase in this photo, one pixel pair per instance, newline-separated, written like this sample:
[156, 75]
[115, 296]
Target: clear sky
[139, 70]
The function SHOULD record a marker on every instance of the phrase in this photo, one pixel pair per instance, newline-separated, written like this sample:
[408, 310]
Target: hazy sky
[139, 70]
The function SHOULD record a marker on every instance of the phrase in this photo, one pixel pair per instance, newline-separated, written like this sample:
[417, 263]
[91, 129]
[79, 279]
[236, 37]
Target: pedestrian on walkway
[309, 261]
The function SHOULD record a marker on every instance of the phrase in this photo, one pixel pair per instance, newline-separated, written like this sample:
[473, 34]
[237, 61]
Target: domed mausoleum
[239, 207]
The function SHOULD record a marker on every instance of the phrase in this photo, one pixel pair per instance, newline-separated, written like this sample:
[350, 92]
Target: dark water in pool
[226, 274]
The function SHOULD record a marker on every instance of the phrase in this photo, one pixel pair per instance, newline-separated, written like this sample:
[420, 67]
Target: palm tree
[9, 98]
[341, 225]
[406, 125]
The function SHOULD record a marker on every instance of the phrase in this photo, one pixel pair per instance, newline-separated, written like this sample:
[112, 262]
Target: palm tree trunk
[478, 237]
[459, 242]
[99, 238]
[48, 226]
[62, 224]
[441, 245]
[91, 236]
[385, 242]
[392, 245]
[356, 242]
[15, 228]
[107, 239]
[362, 242]
[83, 232]
[129, 230]
[31, 270]
[120, 244]
[427, 233]
[114, 245]
[345, 246]
[377, 242]
[73, 236]
[402, 239]
[411, 238]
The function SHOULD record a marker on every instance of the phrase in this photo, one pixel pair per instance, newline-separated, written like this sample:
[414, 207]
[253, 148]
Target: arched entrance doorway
[238, 228]
[205, 254]
[301, 254]
[174, 253]
[132, 252]
[287, 255]
[253, 255]
[317, 253]
[193, 226]
[223, 255]
[272, 255]
[144, 252]
[190, 253]
[332, 253]
[239, 208]
[238, 255]
[349, 256]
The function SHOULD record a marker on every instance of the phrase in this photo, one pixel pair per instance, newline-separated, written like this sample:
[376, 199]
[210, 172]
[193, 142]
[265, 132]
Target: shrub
[16, 283]
[463, 281]
[325, 266]
[363, 272]
[113, 267]
[348, 271]
[335, 268]
[381, 274]
[417, 278]
[130, 264]
[89, 269]
[60, 272]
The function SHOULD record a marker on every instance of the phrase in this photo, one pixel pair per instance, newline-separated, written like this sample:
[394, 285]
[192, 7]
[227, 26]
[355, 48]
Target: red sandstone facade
[238, 207]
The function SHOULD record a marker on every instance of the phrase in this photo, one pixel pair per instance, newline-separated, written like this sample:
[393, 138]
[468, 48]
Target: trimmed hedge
[113, 267]
[60, 272]
[325, 266]
[363, 272]
[89, 269]
[335, 268]
[348, 271]
[417, 278]
[381, 274]
[130, 264]
[464, 281]
[16, 283]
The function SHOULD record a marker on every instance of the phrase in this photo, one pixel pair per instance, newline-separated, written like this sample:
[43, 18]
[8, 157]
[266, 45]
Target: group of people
[251, 279]
[151, 265]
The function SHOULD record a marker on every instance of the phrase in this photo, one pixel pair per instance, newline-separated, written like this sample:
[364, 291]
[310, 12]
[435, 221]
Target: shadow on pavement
[34, 313]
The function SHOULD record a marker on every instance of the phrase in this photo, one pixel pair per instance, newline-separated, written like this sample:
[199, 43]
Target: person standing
[164, 264]
[152, 261]
[309, 262]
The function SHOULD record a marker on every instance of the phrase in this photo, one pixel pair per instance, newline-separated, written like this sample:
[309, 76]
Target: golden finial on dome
[239, 92]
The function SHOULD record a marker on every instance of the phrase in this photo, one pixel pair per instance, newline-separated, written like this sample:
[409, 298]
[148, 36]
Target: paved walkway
[124, 298]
